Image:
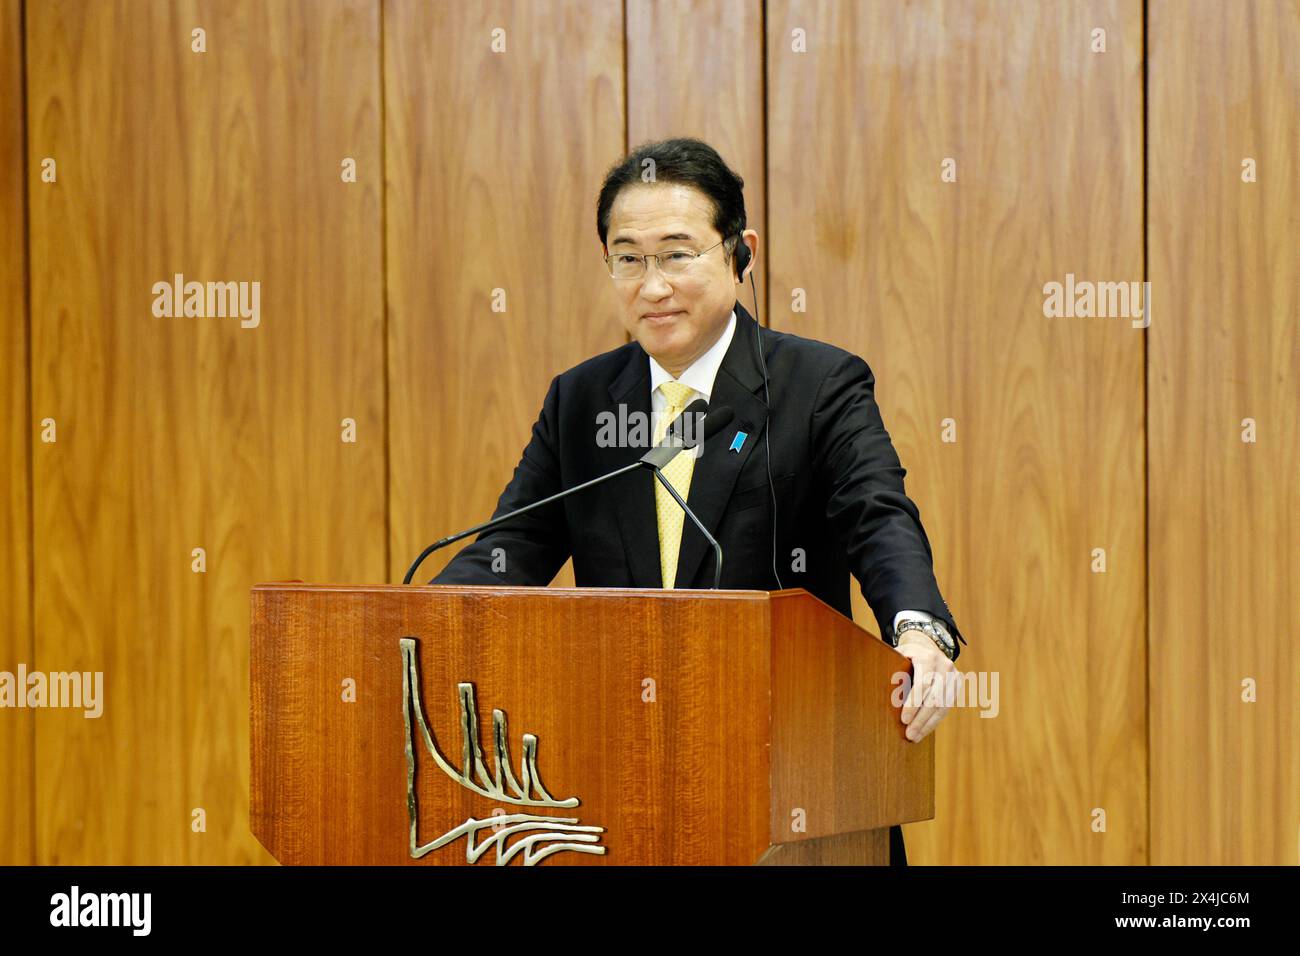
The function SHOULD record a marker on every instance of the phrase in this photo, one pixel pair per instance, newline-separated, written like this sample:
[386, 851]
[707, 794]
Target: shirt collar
[701, 373]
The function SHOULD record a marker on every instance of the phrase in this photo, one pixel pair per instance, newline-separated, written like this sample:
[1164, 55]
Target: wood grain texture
[494, 162]
[839, 768]
[183, 433]
[864, 848]
[695, 68]
[670, 715]
[16, 791]
[939, 287]
[1224, 83]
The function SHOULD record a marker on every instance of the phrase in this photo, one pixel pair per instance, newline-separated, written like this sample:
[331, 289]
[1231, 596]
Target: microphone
[663, 453]
[685, 433]
[674, 442]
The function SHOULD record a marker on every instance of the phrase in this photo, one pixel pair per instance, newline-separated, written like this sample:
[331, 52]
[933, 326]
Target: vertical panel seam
[383, 284]
[25, 166]
[767, 172]
[627, 81]
[627, 126]
[1146, 417]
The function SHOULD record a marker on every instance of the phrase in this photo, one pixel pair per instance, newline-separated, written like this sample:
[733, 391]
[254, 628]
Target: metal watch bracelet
[911, 624]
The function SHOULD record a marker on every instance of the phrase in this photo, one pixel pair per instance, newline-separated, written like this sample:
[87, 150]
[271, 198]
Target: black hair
[685, 161]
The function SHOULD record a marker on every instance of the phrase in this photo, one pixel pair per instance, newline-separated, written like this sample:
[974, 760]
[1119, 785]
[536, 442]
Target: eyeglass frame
[643, 256]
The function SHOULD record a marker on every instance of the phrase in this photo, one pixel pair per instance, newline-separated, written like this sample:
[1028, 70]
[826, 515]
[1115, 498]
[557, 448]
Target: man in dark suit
[834, 505]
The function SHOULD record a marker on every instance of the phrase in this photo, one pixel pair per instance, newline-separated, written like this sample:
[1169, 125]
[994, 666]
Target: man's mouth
[660, 316]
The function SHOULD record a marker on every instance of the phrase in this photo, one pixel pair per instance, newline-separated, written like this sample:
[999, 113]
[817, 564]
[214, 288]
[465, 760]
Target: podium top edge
[684, 593]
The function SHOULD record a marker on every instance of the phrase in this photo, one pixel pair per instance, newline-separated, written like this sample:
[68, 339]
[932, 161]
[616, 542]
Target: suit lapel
[716, 470]
[637, 520]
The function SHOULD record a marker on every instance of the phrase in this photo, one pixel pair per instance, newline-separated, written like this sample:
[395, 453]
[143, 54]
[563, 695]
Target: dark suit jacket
[839, 487]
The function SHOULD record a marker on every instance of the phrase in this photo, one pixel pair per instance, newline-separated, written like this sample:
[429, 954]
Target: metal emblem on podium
[553, 834]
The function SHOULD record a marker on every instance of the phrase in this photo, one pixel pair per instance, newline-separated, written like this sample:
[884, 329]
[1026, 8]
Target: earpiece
[742, 260]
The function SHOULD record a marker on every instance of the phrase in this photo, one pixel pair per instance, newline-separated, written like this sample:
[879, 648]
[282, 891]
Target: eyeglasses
[678, 262]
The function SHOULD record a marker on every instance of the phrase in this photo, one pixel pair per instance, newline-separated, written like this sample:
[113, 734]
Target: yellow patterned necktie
[678, 471]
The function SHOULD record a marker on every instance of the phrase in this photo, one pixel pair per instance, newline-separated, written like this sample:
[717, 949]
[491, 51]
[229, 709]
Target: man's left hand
[932, 672]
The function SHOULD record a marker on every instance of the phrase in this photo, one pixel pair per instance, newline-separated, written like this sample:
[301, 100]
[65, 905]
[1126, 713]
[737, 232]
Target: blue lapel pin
[738, 442]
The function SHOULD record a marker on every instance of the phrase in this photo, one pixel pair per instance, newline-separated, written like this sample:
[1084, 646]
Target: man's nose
[654, 286]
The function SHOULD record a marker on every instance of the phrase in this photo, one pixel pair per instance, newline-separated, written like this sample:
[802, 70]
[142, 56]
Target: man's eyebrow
[670, 236]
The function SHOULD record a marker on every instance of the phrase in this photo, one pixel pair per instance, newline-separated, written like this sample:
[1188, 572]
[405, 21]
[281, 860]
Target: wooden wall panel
[939, 287]
[695, 68]
[1224, 84]
[181, 433]
[177, 433]
[494, 161]
[16, 844]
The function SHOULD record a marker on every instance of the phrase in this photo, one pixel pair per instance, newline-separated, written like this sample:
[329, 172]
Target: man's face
[675, 318]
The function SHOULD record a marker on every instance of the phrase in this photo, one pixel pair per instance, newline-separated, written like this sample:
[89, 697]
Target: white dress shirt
[700, 377]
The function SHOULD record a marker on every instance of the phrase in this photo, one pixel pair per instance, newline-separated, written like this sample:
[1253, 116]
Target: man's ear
[753, 253]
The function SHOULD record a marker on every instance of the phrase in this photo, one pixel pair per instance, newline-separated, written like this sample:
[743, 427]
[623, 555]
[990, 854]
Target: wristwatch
[946, 643]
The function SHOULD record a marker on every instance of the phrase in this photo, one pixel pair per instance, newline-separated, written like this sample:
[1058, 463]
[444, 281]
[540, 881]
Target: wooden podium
[455, 725]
